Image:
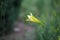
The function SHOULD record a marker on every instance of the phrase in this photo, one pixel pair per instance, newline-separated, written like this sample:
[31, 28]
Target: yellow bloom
[32, 18]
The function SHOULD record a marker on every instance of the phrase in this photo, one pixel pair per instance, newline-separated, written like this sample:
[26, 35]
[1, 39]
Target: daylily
[32, 18]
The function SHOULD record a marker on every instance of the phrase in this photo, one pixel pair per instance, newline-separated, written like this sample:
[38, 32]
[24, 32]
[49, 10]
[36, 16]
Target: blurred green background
[47, 11]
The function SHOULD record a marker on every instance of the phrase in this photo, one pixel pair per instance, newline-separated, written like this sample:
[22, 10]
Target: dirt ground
[21, 32]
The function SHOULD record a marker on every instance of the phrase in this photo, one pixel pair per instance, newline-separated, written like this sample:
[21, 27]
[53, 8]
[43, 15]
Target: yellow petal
[32, 18]
[35, 19]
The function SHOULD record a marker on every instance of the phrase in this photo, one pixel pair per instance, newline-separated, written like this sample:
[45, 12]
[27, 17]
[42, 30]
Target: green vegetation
[47, 11]
[9, 10]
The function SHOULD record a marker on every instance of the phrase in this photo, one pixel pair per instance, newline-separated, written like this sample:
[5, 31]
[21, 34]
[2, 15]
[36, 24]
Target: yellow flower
[32, 18]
